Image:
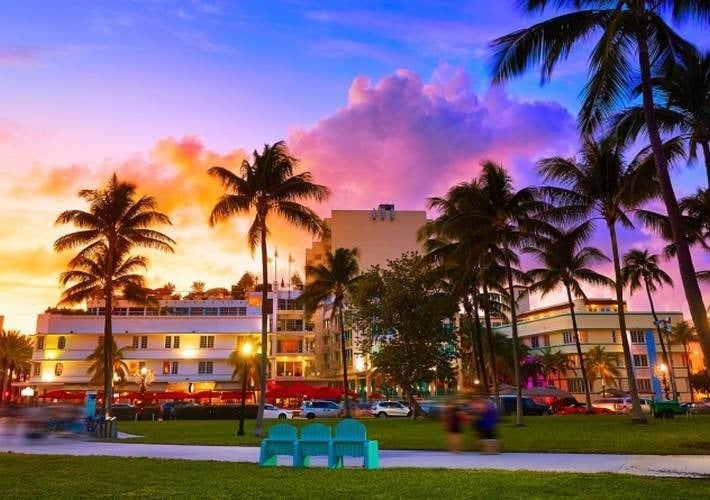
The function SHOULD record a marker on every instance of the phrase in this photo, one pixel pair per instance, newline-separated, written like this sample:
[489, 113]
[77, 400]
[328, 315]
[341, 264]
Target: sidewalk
[642, 465]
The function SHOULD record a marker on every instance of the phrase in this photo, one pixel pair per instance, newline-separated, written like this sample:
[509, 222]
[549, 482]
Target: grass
[570, 434]
[111, 477]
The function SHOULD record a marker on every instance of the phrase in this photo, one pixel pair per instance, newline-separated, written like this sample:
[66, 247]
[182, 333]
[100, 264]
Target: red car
[581, 409]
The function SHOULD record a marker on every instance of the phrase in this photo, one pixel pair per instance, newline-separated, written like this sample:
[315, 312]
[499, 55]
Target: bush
[221, 412]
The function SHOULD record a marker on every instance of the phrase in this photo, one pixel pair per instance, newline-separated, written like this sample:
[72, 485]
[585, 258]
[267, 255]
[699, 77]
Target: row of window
[637, 337]
[577, 385]
[172, 311]
[169, 368]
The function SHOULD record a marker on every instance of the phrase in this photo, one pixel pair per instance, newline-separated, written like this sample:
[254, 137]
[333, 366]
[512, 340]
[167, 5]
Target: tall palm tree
[15, 356]
[115, 222]
[554, 362]
[237, 360]
[641, 270]
[601, 365]
[600, 184]
[634, 41]
[565, 263]
[329, 284]
[682, 333]
[267, 187]
[118, 367]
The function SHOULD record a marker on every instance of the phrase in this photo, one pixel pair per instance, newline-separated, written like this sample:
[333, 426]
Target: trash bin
[111, 430]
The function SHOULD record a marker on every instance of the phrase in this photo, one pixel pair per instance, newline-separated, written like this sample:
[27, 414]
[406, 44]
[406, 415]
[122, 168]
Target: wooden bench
[351, 441]
[315, 440]
[281, 440]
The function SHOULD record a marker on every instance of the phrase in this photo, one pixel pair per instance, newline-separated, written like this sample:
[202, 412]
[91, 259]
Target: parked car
[432, 408]
[508, 406]
[271, 411]
[319, 408]
[622, 404]
[581, 409]
[384, 409]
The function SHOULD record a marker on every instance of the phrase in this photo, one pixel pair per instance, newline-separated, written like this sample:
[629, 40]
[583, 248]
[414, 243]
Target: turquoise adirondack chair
[351, 441]
[316, 440]
[282, 440]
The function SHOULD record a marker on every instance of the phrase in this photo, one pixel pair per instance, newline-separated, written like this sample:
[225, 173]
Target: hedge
[221, 412]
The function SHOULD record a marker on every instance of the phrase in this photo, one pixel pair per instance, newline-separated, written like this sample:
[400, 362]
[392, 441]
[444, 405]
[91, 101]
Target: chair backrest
[282, 432]
[316, 432]
[350, 429]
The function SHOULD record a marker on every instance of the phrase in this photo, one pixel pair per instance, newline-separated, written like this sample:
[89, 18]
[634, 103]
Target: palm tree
[267, 186]
[554, 362]
[600, 184]
[566, 261]
[601, 365]
[237, 360]
[682, 333]
[115, 223]
[15, 356]
[685, 113]
[330, 284]
[634, 41]
[118, 367]
[641, 269]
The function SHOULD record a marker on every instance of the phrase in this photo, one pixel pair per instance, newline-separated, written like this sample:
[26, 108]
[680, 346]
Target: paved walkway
[643, 465]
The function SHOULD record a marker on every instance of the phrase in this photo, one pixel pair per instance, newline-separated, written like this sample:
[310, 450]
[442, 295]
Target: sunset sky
[382, 101]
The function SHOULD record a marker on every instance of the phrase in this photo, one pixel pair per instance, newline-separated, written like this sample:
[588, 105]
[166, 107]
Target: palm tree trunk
[264, 338]
[687, 369]
[489, 335]
[587, 393]
[637, 415]
[706, 155]
[2, 379]
[685, 261]
[476, 334]
[108, 361]
[514, 330]
[344, 361]
[667, 354]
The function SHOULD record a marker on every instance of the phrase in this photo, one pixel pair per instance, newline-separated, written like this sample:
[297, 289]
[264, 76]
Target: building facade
[185, 344]
[598, 325]
[380, 234]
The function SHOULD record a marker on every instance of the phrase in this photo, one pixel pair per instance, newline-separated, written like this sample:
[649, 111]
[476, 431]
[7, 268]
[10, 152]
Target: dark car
[167, 409]
[508, 406]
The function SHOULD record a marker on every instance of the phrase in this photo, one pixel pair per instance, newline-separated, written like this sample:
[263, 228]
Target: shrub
[221, 412]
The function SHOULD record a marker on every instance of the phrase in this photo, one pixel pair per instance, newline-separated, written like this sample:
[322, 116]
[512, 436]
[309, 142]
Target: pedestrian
[453, 420]
[485, 418]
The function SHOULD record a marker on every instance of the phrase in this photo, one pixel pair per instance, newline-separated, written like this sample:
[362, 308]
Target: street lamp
[143, 377]
[246, 353]
[661, 370]
[665, 327]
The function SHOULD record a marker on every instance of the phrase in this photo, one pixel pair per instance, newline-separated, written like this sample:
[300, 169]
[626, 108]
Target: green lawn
[28, 476]
[573, 434]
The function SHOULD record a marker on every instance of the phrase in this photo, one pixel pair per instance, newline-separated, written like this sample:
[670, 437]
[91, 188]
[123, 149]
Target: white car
[271, 411]
[384, 409]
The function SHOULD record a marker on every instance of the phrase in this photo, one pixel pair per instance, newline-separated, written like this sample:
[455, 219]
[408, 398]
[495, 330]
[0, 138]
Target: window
[567, 338]
[205, 367]
[575, 385]
[174, 368]
[141, 364]
[613, 336]
[36, 369]
[140, 342]
[211, 311]
[166, 367]
[644, 384]
[176, 341]
[534, 341]
[58, 369]
[40, 343]
[61, 342]
[546, 340]
[289, 369]
[168, 342]
[637, 337]
[640, 360]
[206, 342]
[197, 311]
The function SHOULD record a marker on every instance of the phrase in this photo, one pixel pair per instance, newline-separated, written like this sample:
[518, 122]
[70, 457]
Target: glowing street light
[246, 350]
[662, 370]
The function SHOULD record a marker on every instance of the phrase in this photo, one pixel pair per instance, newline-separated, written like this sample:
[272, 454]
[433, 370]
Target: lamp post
[665, 327]
[662, 370]
[246, 353]
[143, 377]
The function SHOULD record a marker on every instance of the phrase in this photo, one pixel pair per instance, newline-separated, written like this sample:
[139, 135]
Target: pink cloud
[402, 140]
